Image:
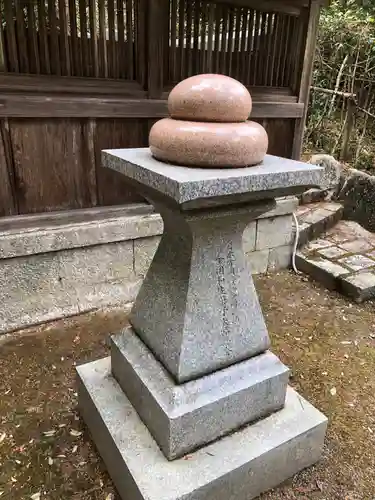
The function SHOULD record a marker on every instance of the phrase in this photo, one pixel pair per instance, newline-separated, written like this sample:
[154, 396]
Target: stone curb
[318, 220]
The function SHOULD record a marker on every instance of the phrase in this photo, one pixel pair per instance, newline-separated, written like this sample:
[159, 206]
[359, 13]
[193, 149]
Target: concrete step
[342, 259]
[316, 218]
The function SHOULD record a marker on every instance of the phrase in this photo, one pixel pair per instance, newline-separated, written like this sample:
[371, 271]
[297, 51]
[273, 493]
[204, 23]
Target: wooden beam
[306, 77]
[291, 7]
[39, 106]
[43, 84]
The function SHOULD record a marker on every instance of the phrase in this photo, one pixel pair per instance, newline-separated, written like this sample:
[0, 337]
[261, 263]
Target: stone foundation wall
[53, 270]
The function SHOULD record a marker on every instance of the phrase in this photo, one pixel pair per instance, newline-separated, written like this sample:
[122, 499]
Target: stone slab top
[274, 177]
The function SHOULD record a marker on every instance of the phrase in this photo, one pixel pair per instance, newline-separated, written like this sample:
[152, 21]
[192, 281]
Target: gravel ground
[328, 342]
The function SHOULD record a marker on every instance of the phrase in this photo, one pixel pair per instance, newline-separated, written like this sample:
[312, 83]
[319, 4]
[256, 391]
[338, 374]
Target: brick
[280, 258]
[359, 286]
[258, 261]
[356, 246]
[274, 232]
[357, 262]
[284, 206]
[322, 270]
[249, 237]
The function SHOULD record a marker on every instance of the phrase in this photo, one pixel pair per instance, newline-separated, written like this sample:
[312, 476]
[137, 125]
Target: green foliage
[345, 63]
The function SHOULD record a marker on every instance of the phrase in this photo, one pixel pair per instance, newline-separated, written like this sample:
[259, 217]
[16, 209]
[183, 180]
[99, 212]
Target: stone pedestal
[172, 410]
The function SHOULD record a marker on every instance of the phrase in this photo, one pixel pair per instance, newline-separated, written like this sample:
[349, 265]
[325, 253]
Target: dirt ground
[328, 342]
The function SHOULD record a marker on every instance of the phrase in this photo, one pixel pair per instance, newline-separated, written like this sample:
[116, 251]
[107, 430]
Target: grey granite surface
[237, 467]
[183, 417]
[197, 309]
[274, 177]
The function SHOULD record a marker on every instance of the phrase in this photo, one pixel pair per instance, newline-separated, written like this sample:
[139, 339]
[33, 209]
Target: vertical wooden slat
[257, 24]
[250, 47]
[84, 39]
[43, 40]
[103, 40]
[76, 61]
[172, 51]
[275, 36]
[203, 37]
[54, 42]
[197, 11]
[224, 40]
[3, 58]
[261, 70]
[89, 128]
[307, 60]
[284, 63]
[8, 187]
[129, 38]
[113, 69]
[93, 17]
[292, 51]
[189, 34]
[32, 39]
[280, 39]
[268, 76]
[21, 38]
[242, 72]
[125, 63]
[166, 33]
[230, 41]
[181, 41]
[156, 10]
[218, 14]
[64, 42]
[140, 41]
[237, 43]
[11, 37]
[210, 35]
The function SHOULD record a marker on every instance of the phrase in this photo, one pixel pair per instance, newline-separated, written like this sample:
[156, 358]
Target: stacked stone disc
[208, 125]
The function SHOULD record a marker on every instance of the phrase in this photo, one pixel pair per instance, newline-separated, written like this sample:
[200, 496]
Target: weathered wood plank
[43, 39]
[11, 37]
[89, 161]
[196, 24]
[21, 38]
[112, 186]
[8, 199]
[140, 41]
[125, 58]
[181, 40]
[44, 84]
[114, 63]
[47, 164]
[64, 41]
[156, 35]
[84, 38]
[32, 38]
[103, 41]
[54, 50]
[189, 34]
[291, 7]
[13, 105]
[93, 19]
[172, 50]
[129, 39]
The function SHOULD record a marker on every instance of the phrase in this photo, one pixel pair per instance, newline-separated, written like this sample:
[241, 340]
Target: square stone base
[237, 467]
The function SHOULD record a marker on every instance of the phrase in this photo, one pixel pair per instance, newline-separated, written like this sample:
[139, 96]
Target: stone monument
[191, 404]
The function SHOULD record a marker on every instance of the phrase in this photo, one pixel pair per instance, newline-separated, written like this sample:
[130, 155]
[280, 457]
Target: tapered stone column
[172, 411]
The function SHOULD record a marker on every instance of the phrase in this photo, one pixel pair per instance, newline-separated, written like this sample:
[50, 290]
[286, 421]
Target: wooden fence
[81, 76]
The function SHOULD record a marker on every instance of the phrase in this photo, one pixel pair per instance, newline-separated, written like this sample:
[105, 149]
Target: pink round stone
[211, 98]
[203, 144]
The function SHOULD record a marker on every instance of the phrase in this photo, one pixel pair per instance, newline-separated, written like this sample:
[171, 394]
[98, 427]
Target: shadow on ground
[328, 343]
